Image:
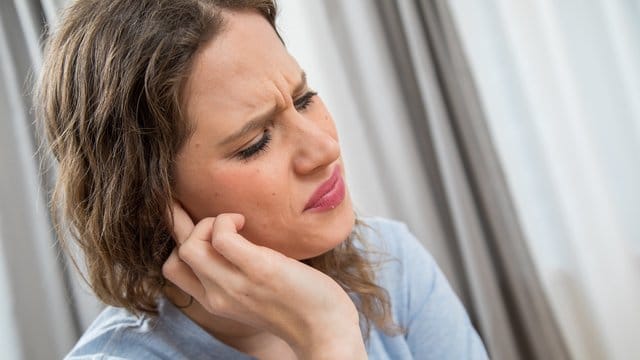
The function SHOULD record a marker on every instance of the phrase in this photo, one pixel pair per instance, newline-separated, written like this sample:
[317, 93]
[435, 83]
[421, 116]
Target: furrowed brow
[262, 120]
[257, 123]
[302, 85]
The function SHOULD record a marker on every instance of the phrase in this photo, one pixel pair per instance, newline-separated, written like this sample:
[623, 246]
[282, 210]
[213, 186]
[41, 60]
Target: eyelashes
[301, 104]
[305, 100]
[256, 148]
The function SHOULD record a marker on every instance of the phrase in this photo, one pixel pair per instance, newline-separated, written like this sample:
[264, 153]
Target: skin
[243, 73]
[241, 224]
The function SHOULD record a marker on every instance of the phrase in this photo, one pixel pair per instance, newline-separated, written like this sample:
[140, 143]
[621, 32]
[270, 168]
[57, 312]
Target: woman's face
[264, 145]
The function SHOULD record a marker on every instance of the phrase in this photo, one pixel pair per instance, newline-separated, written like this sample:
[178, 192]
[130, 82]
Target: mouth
[329, 194]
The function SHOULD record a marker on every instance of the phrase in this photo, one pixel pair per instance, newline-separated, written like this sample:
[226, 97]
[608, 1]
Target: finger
[227, 223]
[216, 275]
[198, 253]
[180, 274]
[181, 221]
[202, 230]
[233, 246]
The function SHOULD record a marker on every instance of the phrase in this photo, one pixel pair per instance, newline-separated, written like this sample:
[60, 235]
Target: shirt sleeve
[95, 357]
[437, 325]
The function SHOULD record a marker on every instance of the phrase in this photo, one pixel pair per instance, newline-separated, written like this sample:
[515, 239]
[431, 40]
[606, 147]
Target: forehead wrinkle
[268, 100]
[259, 111]
[290, 87]
[282, 100]
[301, 84]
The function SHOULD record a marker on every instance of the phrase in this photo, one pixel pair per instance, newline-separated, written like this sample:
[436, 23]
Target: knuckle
[215, 236]
[186, 250]
[264, 271]
[217, 304]
[220, 239]
[239, 289]
[171, 266]
[202, 227]
[167, 269]
[183, 250]
[207, 222]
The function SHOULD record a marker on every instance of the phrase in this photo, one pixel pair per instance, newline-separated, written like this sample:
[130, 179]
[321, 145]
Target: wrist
[339, 338]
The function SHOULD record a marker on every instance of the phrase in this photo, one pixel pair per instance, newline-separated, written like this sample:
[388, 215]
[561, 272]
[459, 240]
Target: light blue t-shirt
[437, 326]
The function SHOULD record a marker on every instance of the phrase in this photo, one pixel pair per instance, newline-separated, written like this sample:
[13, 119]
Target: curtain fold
[364, 95]
[37, 292]
[564, 115]
[503, 291]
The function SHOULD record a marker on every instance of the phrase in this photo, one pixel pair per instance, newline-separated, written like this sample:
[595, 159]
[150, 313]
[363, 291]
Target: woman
[202, 179]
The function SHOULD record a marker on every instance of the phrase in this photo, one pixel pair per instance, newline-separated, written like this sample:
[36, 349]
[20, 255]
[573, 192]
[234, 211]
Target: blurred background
[506, 134]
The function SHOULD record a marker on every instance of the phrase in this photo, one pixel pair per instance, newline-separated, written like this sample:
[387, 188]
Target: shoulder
[380, 225]
[114, 334]
[404, 267]
[392, 239]
[118, 334]
[422, 301]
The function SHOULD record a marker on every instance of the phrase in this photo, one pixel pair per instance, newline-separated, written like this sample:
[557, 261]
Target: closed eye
[255, 148]
[305, 100]
[301, 103]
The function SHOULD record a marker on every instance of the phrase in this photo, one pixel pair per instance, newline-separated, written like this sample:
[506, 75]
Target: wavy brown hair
[109, 95]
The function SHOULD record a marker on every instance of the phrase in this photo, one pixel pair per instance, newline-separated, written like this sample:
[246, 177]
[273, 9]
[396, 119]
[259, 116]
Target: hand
[236, 279]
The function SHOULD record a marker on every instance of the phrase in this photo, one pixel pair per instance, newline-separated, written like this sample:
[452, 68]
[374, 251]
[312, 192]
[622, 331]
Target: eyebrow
[261, 121]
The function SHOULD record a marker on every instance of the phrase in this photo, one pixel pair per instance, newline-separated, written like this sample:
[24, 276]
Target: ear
[184, 206]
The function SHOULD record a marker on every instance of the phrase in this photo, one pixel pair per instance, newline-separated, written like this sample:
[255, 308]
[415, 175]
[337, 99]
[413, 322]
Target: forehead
[242, 70]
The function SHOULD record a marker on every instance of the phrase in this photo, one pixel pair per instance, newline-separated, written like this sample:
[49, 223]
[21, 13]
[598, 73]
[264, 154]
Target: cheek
[244, 189]
[331, 127]
[252, 191]
[327, 122]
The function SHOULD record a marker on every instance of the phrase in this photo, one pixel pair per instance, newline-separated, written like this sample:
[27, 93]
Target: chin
[335, 232]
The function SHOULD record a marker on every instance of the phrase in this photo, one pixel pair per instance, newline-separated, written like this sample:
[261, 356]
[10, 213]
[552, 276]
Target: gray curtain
[474, 231]
[498, 280]
[37, 295]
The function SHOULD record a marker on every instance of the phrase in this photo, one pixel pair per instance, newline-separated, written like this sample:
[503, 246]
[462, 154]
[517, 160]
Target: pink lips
[329, 194]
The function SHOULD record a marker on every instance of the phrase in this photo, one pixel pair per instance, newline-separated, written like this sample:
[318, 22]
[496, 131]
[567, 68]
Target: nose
[316, 144]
